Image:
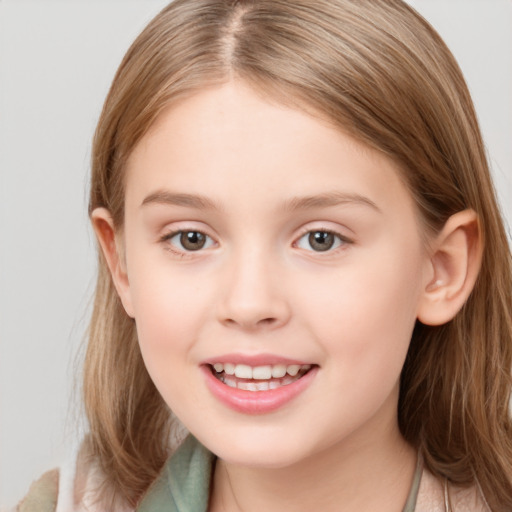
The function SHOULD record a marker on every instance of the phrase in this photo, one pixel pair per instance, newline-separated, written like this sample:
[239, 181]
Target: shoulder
[71, 488]
[468, 499]
[436, 496]
[77, 485]
[42, 495]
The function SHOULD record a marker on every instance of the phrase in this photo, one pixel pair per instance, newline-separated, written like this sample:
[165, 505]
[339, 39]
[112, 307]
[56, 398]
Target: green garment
[184, 484]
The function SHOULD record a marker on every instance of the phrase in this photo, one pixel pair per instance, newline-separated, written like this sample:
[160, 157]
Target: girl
[302, 259]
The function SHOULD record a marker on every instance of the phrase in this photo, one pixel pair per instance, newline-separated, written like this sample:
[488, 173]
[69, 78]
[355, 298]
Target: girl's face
[260, 240]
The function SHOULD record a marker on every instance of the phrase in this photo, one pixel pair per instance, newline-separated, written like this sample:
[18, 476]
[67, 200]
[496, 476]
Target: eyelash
[177, 252]
[342, 240]
[184, 253]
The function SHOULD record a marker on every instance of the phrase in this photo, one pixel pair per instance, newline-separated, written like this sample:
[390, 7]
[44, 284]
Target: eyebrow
[181, 199]
[291, 205]
[328, 199]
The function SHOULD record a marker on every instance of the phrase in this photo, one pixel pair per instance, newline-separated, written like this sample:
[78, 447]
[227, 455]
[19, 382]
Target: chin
[260, 459]
[261, 450]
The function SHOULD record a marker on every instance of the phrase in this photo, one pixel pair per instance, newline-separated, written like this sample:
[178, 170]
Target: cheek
[169, 310]
[364, 314]
[167, 319]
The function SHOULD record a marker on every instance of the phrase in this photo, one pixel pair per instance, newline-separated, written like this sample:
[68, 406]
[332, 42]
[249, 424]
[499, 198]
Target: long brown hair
[380, 72]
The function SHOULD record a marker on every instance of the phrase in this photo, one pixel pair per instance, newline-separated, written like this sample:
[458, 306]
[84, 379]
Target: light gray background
[57, 58]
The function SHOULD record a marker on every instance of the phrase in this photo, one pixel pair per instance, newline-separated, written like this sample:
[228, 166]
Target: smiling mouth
[258, 378]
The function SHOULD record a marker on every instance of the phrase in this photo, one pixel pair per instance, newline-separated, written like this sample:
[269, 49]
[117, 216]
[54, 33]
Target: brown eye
[192, 240]
[321, 241]
[188, 241]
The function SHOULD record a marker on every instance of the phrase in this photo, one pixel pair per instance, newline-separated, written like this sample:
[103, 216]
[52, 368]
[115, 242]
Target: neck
[360, 474]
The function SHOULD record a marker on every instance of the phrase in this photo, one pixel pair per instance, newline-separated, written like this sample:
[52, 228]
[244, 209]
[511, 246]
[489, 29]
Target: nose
[254, 296]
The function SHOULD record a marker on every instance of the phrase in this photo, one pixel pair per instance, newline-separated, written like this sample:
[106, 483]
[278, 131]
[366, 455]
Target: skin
[259, 287]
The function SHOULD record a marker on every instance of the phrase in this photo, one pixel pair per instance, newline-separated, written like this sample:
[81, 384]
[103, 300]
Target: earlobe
[454, 266]
[104, 229]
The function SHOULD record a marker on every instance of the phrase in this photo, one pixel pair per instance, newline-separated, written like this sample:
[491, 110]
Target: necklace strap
[410, 504]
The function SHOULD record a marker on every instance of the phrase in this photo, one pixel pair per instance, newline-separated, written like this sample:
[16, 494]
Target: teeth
[264, 373]
[229, 368]
[287, 380]
[247, 386]
[230, 382]
[242, 371]
[278, 371]
[293, 369]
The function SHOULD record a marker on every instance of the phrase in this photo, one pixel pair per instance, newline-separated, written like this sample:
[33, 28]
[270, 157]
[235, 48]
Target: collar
[184, 483]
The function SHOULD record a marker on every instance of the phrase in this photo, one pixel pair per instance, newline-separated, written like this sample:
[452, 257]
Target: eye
[188, 241]
[321, 240]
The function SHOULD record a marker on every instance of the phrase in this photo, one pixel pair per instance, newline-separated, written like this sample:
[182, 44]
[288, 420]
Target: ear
[113, 250]
[454, 265]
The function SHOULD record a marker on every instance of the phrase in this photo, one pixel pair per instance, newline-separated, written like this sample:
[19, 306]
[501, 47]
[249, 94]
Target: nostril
[250, 304]
[250, 324]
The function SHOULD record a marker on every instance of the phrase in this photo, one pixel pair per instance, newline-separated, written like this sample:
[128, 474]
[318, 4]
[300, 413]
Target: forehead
[232, 144]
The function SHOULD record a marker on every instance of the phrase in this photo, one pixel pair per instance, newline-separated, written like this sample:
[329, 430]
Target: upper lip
[254, 359]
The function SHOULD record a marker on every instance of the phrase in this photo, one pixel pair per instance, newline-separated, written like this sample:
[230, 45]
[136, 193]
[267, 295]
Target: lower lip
[257, 402]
